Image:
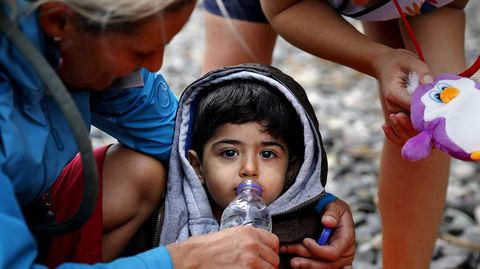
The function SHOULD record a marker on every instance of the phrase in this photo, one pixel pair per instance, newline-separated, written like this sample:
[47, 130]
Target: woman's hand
[392, 69]
[238, 247]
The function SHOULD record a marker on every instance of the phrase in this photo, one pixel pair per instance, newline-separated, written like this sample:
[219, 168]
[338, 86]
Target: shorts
[376, 10]
[85, 244]
[383, 10]
[244, 10]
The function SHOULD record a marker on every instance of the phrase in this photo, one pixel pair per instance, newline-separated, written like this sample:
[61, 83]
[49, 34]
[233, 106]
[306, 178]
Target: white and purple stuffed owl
[446, 113]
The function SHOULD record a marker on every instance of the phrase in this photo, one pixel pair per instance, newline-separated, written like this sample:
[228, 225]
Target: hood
[187, 208]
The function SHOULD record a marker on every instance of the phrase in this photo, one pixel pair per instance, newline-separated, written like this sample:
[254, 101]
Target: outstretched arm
[314, 26]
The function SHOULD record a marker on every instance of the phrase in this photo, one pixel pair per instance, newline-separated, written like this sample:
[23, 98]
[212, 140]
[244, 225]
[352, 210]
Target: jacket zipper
[301, 206]
[53, 130]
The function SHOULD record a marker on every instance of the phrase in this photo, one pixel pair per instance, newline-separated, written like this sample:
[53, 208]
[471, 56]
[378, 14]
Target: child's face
[238, 151]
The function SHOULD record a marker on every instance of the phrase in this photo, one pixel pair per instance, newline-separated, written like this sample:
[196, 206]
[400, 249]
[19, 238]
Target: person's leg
[133, 184]
[412, 194]
[231, 42]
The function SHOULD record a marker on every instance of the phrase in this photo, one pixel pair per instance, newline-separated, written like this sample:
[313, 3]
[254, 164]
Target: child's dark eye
[267, 154]
[229, 153]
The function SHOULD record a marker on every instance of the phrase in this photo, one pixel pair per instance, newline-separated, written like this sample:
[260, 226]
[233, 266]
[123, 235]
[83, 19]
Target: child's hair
[243, 101]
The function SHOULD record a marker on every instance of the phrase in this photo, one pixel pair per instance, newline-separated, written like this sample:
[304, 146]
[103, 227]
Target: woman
[93, 45]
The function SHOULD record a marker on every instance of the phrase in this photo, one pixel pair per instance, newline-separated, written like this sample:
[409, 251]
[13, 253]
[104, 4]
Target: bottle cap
[250, 184]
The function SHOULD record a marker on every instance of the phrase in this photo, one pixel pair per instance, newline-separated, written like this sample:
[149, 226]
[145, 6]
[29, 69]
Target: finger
[333, 212]
[266, 244]
[405, 121]
[297, 249]
[420, 68]
[304, 263]
[268, 256]
[329, 252]
[252, 260]
[426, 78]
[390, 134]
[341, 241]
[267, 238]
[398, 128]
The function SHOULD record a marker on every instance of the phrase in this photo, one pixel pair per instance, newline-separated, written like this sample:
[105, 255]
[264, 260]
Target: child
[250, 121]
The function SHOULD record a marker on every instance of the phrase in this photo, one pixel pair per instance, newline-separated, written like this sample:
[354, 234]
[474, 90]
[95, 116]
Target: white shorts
[383, 10]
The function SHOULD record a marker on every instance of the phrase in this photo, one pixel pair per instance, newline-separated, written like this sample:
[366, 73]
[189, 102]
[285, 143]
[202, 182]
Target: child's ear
[292, 171]
[195, 162]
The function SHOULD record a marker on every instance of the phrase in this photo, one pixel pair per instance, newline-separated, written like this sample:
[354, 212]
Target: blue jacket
[36, 142]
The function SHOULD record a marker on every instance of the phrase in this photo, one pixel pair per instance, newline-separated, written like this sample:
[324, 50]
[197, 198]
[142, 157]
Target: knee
[142, 174]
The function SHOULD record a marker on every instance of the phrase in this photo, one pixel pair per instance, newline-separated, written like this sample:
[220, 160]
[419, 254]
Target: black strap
[74, 119]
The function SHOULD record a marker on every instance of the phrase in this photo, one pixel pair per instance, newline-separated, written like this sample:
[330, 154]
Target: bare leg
[223, 46]
[132, 188]
[412, 194]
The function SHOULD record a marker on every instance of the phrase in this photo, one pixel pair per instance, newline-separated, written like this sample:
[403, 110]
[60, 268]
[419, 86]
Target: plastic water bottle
[247, 208]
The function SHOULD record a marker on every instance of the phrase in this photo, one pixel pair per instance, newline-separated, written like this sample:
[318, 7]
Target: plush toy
[446, 113]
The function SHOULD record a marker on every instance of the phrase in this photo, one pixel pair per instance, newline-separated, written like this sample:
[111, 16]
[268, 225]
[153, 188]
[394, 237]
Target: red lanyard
[467, 73]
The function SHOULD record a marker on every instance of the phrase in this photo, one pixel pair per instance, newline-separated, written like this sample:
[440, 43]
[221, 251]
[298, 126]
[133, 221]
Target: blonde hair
[103, 12]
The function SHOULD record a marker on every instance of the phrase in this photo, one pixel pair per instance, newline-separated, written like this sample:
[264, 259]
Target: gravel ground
[351, 129]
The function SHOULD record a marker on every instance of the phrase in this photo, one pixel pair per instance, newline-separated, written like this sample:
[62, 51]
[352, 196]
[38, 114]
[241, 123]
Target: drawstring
[472, 69]
[410, 31]
[467, 73]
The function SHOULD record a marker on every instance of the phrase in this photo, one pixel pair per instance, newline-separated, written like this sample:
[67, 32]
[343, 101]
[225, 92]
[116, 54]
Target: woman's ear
[292, 171]
[54, 17]
[195, 162]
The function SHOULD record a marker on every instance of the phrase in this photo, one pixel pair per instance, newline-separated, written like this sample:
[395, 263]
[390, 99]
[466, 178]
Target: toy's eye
[443, 86]
[435, 96]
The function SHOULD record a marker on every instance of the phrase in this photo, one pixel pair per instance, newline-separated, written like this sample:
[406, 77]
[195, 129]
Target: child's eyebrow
[273, 143]
[237, 142]
[227, 141]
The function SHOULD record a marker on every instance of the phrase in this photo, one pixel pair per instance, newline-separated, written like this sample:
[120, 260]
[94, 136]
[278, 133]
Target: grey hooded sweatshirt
[187, 209]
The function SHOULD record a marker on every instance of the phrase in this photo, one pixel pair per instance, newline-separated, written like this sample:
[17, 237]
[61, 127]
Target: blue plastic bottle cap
[322, 240]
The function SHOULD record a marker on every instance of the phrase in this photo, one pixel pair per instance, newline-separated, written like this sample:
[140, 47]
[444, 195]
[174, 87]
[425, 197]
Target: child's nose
[249, 168]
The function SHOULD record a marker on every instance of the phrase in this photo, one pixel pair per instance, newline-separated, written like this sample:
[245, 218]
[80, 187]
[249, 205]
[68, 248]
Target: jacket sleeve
[154, 258]
[18, 247]
[141, 118]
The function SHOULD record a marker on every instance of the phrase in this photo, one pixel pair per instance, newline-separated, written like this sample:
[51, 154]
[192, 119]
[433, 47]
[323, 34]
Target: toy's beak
[448, 94]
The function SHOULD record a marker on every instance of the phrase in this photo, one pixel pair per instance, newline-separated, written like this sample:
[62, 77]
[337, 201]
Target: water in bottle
[247, 208]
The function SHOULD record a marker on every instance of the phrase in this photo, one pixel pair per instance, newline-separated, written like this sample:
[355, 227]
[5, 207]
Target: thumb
[426, 78]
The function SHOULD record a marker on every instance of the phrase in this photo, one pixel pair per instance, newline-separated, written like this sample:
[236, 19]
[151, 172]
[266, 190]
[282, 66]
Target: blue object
[322, 240]
[324, 201]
